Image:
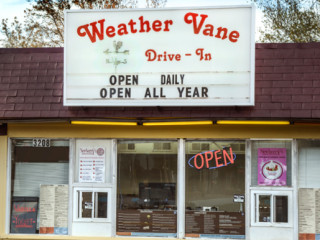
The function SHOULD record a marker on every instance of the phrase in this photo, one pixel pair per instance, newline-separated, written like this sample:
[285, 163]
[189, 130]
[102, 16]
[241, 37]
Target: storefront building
[71, 170]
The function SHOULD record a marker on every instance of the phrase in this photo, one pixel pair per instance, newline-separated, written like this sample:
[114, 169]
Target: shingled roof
[287, 86]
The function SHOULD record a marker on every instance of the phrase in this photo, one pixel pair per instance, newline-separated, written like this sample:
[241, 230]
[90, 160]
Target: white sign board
[92, 164]
[167, 57]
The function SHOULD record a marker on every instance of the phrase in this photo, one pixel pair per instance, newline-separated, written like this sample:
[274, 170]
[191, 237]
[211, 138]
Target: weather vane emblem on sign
[115, 57]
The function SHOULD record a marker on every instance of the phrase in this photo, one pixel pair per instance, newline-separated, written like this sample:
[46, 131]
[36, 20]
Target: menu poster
[146, 221]
[222, 223]
[92, 164]
[24, 215]
[317, 211]
[53, 209]
[272, 166]
[46, 209]
[307, 210]
[61, 210]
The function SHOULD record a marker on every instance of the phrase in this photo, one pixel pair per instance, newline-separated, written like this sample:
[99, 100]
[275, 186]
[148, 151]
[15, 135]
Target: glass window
[264, 208]
[101, 203]
[86, 204]
[146, 193]
[39, 186]
[92, 204]
[271, 208]
[309, 167]
[215, 188]
[281, 209]
[271, 163]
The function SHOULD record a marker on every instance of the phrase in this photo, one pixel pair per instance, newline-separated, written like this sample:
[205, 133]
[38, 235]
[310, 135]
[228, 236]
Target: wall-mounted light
[104, 123]
[180, 123]
[184, 123]
[235, 122]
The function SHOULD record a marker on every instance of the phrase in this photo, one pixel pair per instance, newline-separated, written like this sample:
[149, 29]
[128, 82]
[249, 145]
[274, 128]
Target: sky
[11, 8]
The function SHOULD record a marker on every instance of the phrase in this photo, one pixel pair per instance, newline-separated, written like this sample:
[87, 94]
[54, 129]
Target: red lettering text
[95, 32]
[208, 30]
[196, 28]
[212, 159]
[225, 156]
[217, 158]
[152, 55]
[195, 161]
[98, 30]
[208, 158]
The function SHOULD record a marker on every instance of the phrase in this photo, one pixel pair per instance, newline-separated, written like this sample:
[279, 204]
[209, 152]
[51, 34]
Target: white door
[93, 188]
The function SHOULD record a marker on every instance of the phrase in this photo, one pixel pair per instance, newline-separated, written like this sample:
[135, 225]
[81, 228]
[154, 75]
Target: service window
[39, 186]
[271, 209]
[147, 188]
[215, 189]
[93, 205]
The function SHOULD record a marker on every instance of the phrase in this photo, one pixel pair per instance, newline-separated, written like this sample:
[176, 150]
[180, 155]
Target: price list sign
[92, 164]
[202, 222]
[156, 221]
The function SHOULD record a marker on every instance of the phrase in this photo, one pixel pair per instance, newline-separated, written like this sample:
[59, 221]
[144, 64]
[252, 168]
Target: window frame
[77, 204]
[244, 143]
[249, 189]
[179, 187]
[249, 153]
[9, 184]
[272, 193]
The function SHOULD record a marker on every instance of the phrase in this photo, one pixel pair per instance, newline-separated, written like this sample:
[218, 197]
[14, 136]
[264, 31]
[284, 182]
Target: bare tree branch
[43, 24]
[290, 20]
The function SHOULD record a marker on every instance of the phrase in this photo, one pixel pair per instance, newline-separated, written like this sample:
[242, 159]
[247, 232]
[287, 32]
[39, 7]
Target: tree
[290, 20]
[43, 24]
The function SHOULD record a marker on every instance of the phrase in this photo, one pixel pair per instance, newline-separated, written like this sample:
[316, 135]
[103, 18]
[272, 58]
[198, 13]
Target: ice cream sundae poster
[272, 166]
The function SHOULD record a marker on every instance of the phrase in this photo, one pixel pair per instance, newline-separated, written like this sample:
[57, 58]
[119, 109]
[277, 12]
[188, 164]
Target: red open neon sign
[212, 159]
